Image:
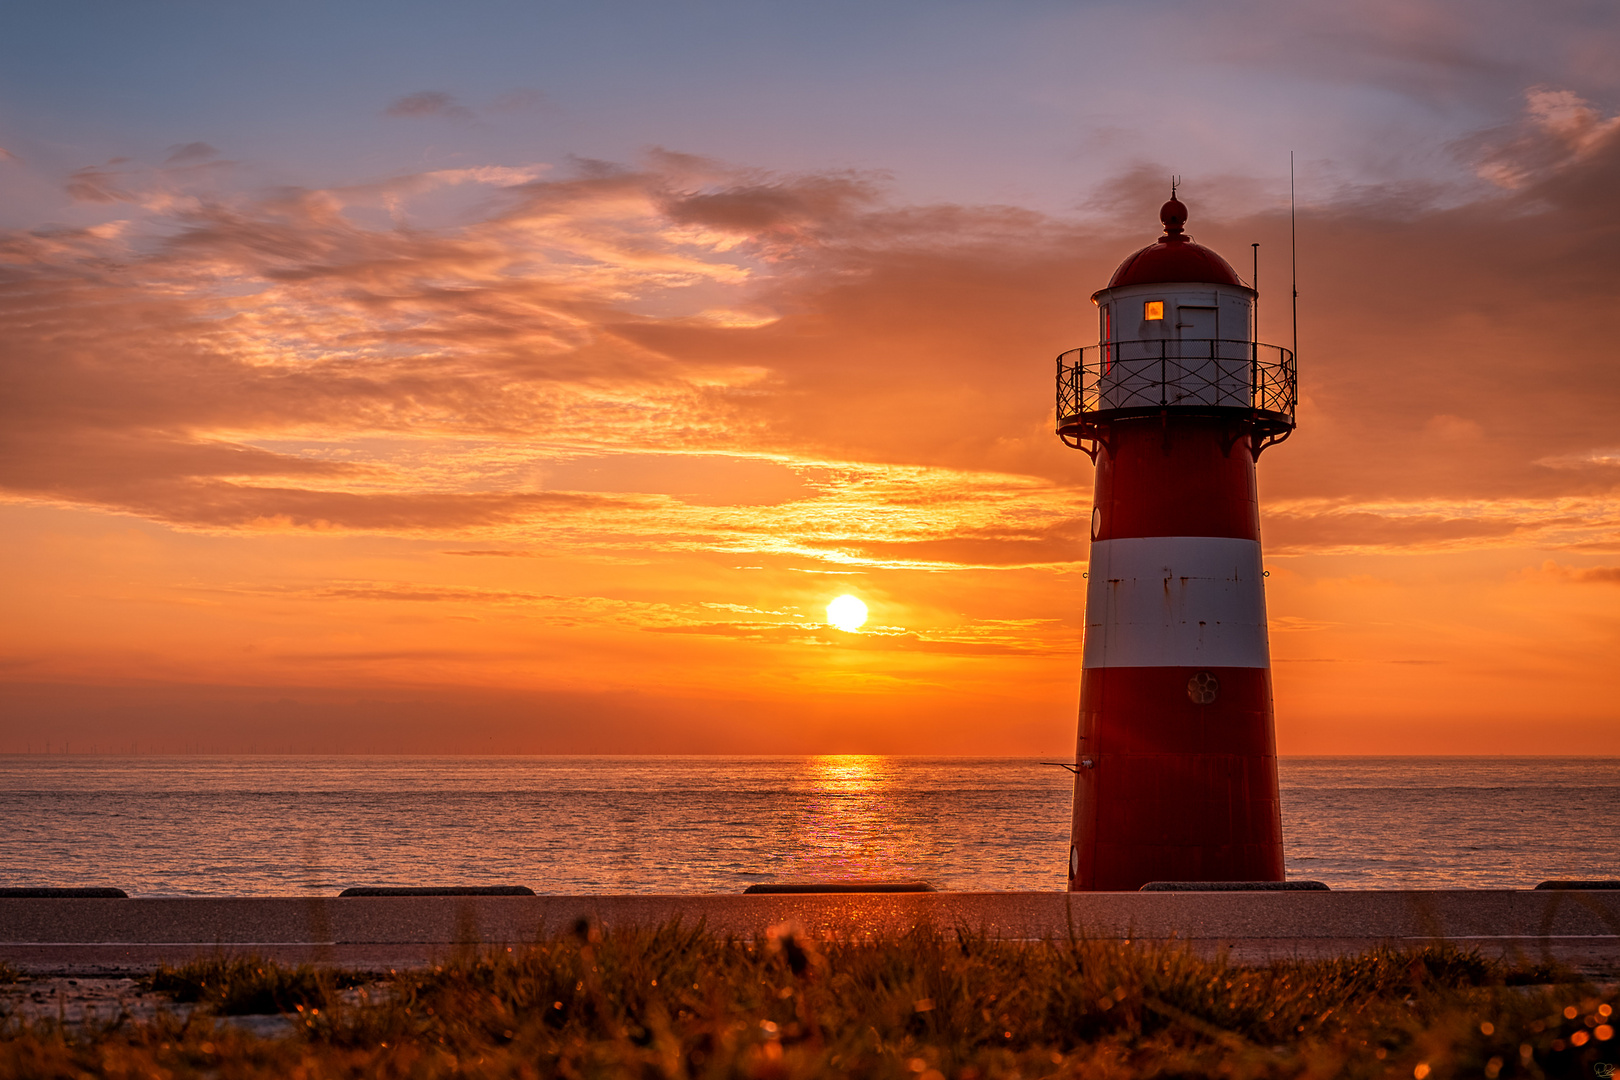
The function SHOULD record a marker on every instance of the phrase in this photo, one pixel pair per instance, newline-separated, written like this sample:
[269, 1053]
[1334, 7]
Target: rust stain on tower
[1176, 766]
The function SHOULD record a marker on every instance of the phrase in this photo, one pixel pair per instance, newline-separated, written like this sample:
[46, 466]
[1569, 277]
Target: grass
[241, 987]
[679, 1002]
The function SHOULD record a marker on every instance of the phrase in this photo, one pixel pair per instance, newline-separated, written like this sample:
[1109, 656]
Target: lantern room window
[1153, 310]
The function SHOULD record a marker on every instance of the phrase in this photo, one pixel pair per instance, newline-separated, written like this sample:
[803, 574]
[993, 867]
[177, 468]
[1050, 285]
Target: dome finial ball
[1174, 216]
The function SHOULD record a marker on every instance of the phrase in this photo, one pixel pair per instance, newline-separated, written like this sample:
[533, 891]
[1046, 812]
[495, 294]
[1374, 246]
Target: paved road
[63, 936]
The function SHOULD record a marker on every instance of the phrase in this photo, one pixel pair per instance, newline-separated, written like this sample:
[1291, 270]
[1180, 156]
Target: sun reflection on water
[851, 828]
[847, 772]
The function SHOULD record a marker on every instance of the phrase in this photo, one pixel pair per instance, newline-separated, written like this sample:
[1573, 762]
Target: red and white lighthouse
[1176, 767]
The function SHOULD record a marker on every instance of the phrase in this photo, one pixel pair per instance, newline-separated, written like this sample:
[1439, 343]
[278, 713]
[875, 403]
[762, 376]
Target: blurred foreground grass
[679, 1002]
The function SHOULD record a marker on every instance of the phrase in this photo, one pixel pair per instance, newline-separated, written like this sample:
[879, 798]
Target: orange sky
[580, 469]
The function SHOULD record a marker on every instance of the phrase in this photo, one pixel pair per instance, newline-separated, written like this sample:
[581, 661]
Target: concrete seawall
[106, 937]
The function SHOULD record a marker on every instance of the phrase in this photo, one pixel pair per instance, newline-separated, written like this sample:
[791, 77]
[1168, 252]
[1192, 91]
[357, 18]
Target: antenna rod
[1293, 252]
[1254, 281]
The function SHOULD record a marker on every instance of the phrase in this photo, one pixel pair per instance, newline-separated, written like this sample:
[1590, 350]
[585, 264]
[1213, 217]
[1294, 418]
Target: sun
[846, 613]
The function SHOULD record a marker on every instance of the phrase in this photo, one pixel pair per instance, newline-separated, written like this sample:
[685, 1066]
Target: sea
[287, 826]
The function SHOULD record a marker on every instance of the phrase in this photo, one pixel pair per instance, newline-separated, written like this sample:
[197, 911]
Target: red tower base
[1177, 776]
[1178, 791]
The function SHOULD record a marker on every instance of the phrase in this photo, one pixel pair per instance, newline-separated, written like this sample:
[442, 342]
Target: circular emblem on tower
[1203, 688]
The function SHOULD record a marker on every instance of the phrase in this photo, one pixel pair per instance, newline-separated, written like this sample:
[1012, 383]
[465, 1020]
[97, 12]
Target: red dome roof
[1174, 258]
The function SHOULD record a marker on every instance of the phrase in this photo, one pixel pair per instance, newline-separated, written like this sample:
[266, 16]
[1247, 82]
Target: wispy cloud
[552, 370]
[1560, 128]
[428, 103]
[191, 153]
[93, 184]
[1602, 575]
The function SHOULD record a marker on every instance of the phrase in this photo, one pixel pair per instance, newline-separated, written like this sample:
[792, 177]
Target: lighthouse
[1175, 774]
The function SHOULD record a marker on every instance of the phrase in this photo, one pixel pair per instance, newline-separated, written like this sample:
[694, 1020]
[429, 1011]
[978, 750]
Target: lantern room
[1176, 330]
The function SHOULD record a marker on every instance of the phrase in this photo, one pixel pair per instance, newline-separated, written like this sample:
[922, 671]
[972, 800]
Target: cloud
[523, 99]
[413, 593]
[700, 480]
[428, 103]
[255, 340]
[1449, 56]
[96, 185]
[190, 153]
[1602, 575]
[1438, 524]
[1559, 130]
[549, 371]
[1602, 458]
[878, 640]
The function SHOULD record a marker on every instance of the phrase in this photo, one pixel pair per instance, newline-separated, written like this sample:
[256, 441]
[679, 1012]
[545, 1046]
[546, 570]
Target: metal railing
[1101, 383]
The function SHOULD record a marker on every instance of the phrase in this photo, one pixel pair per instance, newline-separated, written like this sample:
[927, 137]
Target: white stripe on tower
[1176, 601]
